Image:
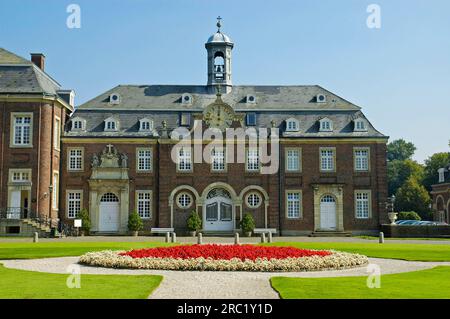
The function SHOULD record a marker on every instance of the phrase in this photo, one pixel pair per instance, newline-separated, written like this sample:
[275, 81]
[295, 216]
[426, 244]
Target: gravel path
[215, 284]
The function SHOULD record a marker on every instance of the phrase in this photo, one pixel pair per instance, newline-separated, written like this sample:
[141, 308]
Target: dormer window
[114, 98]
[251, 99]
[441, 172]
[78, 124]
[292, 125]
[251, 119]
[145, 125]
[111, 125]
[186, 99]
[360, 125]
[321, 98]
[325, 125]
[185, 119]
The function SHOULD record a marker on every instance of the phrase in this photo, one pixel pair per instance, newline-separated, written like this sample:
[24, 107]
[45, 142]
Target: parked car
[419, 223]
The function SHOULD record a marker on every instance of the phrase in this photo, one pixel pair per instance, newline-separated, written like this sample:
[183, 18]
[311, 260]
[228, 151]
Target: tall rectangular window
[57, 134]
[292, 160]
[144, 204]
[55, 190]
[327, 160]
[217, 159]
[75, 160]
[185, 159]
[252, 160]
[361, 158]
[22, 130]
[73, 203]
[185, 119]
[293, 204]
[144, 160]
[362, 204]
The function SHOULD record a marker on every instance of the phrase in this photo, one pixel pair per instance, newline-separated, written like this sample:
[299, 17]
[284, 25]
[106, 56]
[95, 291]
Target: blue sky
[399, 74]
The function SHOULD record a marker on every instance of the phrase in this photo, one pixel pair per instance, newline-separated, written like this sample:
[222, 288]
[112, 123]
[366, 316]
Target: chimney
[39, 60]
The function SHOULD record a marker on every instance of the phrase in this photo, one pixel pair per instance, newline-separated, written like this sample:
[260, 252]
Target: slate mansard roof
[273, 103]
[20, 76]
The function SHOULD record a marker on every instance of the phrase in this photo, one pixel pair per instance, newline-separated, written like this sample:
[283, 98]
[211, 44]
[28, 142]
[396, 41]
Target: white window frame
[361, 163]
[57, 133]
[358, 201]
[55, 190]
[185, 119]
[218, 160]
[74, 201]
[292, 125]
[23, 126]
[289, 161]
[326, 125]
[252, 205]
[360, 125]
[184, 195]
[111, 121]
[290, 202]
[145, 122]
[184, 161]
[145, 159]
[144, 213]
[77, 159]
[252, 160]
[326, 159]
[21, 173]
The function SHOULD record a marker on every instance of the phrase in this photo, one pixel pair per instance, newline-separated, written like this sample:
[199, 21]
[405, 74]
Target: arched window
[325, 125]
[109, 197]
[145, 125]
[111, 124]
[292, 125]
[219, 65]
[218, 192]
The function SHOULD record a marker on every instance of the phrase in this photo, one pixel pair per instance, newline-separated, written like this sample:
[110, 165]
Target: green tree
[135, 222]
[400, 150]
[194, 222]
[412, 196]
[399, 171]
[432, 164]
[85, 220]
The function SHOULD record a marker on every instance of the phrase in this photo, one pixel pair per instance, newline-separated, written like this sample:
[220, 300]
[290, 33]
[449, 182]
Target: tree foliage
[135, 222]
[85, 220]
[412, 196]
[399, 172]
[400, 150]
[432, 164]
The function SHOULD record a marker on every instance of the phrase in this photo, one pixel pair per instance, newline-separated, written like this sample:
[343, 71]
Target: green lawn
[425, 284]
[20, 284]
[61, 249]
[417, 252]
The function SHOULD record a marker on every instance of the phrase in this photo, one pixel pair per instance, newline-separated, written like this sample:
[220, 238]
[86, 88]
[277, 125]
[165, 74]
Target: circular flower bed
[225, 258]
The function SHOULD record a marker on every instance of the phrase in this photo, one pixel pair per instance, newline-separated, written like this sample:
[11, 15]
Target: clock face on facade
[219, 116]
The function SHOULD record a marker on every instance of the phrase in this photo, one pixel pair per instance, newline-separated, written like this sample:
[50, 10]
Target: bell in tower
[219, 47]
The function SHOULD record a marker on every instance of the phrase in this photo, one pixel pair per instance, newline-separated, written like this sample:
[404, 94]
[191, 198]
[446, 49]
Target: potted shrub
[247, 224]
[85, 221]
[135, 224]
[194, 223]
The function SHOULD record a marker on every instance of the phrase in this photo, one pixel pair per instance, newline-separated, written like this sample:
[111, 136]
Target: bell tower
[219, 47]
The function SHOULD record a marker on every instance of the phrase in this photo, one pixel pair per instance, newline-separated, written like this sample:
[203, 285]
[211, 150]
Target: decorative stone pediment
[110, 164]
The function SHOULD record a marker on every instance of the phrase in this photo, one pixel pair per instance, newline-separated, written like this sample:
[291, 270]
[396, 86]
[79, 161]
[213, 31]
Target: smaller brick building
[441, 196]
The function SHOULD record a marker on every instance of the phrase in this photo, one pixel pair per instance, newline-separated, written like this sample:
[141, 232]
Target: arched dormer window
[325, 125]
[292, 125]
[78, 124]
[111, 125]
[145, 125]
[360, 125]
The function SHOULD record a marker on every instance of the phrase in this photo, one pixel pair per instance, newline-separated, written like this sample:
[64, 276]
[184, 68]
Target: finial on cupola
[219, 24]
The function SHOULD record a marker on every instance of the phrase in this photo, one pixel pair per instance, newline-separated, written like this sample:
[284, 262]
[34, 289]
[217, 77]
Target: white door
[14, 206]
[328, 213]
[109, 213]
[218, 214]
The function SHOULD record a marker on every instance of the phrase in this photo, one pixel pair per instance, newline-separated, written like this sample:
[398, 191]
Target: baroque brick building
[116, 157]
[120, 153]
[441, 196]
[33, 111]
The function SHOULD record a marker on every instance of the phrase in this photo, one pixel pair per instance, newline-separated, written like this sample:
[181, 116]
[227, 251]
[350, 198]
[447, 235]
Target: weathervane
[219, 24]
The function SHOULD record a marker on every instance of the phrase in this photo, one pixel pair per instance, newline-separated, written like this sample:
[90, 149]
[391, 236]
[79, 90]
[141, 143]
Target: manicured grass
[20, 284]
[62, 249]
[417, 252]
[389, 239]
[427, 284]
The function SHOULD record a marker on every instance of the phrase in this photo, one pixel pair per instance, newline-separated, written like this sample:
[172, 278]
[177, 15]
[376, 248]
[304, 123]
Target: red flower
[226, 252]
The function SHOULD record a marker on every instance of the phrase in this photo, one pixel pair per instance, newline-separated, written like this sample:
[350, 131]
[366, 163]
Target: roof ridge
[8, 57]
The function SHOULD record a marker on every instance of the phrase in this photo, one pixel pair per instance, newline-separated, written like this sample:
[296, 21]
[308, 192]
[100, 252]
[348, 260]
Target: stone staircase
[29, 227]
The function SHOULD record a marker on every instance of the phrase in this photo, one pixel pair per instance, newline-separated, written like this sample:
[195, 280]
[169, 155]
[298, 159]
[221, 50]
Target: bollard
[174, 237]
[236, 238]
[167, 237]
[200, 238]
[36, 237]
[381, 238]
[269, 237]
[263, 237]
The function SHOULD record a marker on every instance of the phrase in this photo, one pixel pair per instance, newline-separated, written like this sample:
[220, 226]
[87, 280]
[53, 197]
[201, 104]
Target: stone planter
[192, 233]
[248, 234]
[392, 217]
[134, 233]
